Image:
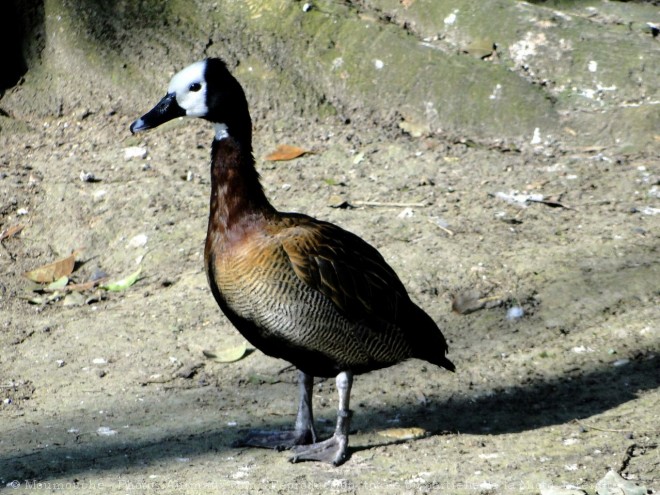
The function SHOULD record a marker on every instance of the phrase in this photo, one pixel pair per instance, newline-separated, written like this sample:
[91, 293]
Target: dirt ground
[111, 392]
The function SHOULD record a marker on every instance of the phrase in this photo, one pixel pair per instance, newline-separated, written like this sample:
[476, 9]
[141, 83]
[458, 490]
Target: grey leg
[303, 433]
[334, 449]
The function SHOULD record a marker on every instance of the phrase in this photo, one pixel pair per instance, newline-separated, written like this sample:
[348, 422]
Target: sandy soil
[112, 393]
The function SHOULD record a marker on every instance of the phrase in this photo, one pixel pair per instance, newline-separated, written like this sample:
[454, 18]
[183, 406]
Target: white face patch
[190, 89]
[221, 131]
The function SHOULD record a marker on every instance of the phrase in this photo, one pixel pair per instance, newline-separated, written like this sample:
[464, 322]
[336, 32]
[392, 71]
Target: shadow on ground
[515, 409]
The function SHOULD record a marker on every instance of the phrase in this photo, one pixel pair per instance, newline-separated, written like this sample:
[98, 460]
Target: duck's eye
[195, 87]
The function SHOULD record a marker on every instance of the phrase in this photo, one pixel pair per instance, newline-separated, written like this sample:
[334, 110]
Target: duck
[297, 288]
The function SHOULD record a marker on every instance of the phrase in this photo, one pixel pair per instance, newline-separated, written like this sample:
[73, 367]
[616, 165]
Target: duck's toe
[272, 439]
[334, 450]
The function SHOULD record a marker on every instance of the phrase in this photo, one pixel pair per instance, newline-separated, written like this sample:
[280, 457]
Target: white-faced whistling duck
[297, 288]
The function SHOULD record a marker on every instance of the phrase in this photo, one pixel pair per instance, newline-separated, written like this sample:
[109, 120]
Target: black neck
[236, 193]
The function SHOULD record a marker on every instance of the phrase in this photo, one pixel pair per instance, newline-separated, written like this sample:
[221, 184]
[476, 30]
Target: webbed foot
[334, 450]
[278, 440]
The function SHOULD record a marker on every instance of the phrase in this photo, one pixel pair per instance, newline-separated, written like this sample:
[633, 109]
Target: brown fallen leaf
[53, 271]
[11, 231]
[285, 152]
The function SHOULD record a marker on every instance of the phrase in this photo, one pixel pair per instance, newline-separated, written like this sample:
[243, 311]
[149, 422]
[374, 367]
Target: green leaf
[124, 283]
[60, 283]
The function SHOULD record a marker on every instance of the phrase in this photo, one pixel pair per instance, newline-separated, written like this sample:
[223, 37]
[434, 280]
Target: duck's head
[207, 90]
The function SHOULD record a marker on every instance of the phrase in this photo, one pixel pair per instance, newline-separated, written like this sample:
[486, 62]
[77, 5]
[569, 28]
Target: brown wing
[356, 278]
[344, 268]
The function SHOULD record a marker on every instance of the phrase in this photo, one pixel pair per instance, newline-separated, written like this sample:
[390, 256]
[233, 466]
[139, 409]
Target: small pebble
[135, 152]
[556, 490]
[648, 210]
[98, 195]
[139, 240]
[106, 431]
[515, 313]
[87, 176]
[614, 484]
[406, 213]
[98, 275]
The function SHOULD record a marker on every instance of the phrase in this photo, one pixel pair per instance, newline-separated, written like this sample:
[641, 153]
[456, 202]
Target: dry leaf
[403, 433]
[53, 271]
[470, 301]
[285, 152]
[480, 48]
[415, 129]
[45, 299]
[81, 287]
[336, 201]
[36, 299]
[11, 231]
[227, 355]
[467, 302]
